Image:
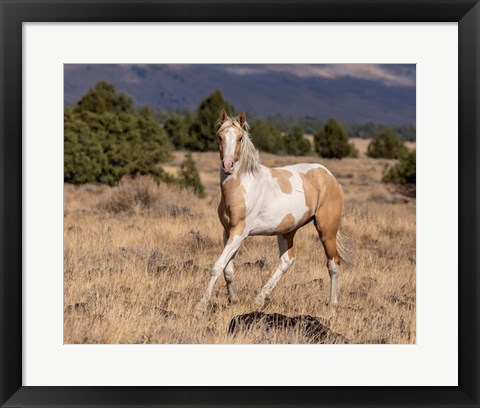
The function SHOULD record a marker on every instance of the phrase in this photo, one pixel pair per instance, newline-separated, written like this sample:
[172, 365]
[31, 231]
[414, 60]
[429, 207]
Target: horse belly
[281, 214]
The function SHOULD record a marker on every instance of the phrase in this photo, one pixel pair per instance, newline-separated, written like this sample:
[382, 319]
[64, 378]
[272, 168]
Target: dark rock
[310, 327]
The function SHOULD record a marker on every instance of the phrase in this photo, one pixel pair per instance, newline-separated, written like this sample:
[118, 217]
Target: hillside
[384, 95]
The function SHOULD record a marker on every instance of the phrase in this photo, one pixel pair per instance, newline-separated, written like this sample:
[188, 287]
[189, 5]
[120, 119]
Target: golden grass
[137, 260]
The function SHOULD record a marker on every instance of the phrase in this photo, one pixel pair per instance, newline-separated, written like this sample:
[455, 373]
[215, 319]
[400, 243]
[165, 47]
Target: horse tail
[344, 249]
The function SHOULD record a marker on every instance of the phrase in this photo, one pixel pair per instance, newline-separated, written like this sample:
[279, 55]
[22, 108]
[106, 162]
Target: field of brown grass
[137, 260]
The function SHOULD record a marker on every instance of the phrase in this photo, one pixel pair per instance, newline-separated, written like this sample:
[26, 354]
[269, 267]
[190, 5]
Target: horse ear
[223, 116]
[241, 119]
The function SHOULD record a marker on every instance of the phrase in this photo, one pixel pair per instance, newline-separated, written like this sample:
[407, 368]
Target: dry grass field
[137, 260]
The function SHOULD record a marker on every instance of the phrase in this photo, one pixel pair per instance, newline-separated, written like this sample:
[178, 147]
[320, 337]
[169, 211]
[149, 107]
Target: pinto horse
[258, 200]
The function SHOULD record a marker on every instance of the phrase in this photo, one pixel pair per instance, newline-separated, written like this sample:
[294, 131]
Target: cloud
[390, 75]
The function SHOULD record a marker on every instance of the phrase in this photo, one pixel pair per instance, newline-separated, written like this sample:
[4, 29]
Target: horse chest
[231, 211]
[230, 214]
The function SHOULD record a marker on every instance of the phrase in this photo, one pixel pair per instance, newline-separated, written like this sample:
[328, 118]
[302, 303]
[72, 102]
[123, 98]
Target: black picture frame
[15, 12]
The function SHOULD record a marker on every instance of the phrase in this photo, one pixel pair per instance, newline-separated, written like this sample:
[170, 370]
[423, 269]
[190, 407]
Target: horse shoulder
[233, 207]
[222, 214]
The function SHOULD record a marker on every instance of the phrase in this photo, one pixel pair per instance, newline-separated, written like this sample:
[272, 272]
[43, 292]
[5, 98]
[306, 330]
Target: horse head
[231, 133]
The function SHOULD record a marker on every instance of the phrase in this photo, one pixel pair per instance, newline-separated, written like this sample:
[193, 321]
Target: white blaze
[229, 153]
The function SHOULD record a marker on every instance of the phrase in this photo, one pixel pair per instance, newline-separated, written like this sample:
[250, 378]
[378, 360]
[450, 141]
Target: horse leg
[327, 227]
[219, 266]
[285, 248]
[228, 275]
[333, 269]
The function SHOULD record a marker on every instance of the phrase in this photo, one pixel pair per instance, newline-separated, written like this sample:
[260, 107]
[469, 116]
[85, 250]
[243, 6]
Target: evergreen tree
[83, 155]
[189, 177]
[266, 136]
[386, 145]
[332, 142]
[203, 129]
[295, 143]
[177, 129]
[405, 171]
[103, 98]
[106, 139]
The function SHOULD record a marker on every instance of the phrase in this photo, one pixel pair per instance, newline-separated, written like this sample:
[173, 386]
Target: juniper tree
[294, 143]
[203, 129]
[332, 141]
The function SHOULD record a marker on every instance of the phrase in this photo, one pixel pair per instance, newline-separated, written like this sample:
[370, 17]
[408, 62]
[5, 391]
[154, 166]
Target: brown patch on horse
[282, 176]
[311, 187]
[222, 214]
[324, 199]
[232, 210]
[317, 184]
[286, 225]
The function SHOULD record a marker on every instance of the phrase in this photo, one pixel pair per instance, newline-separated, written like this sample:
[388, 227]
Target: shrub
[295, 143]
[404, 172]
[189, 177]
[332, 142]
[133, 195]
[266, 136]
[386, 145]
[106, 139]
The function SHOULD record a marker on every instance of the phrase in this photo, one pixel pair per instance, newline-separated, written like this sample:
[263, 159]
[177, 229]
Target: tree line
[310, 125]
[197, 133]
[107, 138]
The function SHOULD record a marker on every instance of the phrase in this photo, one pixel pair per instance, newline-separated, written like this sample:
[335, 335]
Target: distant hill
[359, 93]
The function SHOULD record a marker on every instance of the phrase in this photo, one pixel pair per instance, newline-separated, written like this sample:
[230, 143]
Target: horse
[258, 200]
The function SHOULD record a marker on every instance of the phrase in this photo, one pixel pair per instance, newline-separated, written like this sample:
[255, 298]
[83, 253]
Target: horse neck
[249, 167]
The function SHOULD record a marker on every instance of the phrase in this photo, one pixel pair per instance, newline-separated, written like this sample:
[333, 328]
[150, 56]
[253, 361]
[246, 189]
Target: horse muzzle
[227, 166]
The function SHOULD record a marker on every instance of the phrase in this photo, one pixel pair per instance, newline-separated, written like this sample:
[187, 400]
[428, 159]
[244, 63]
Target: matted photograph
[239, 204]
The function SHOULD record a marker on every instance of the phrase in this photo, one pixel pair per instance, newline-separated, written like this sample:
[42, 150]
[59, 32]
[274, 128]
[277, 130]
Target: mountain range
[351, 93]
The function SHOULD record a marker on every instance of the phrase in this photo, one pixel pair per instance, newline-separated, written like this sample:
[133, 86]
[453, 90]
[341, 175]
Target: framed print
[72, 248]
